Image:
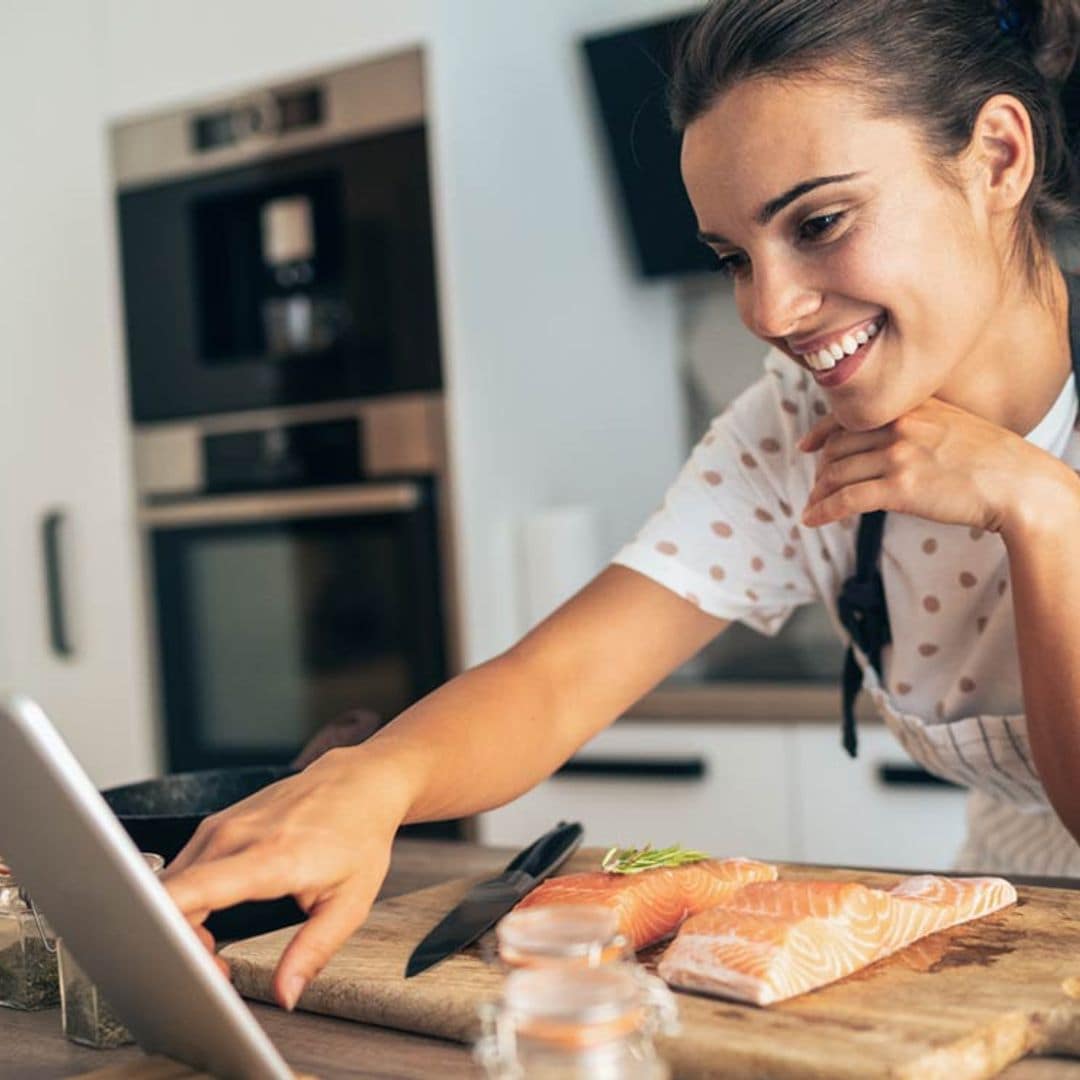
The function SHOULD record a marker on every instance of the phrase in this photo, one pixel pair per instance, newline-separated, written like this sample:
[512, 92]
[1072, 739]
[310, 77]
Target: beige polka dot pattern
[929, 546]
[721, 528]
[931, 604]
[712, 478]
[968, 580]
[666, 547]
[927, 649]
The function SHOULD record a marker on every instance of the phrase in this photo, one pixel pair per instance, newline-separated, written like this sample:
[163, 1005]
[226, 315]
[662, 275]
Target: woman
[880, 180]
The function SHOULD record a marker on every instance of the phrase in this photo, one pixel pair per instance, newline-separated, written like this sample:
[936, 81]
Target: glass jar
[581, 935]
[28, 972]
[572, 1023]
[88, 1020]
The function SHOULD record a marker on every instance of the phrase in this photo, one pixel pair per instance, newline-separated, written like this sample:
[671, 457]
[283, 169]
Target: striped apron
[1011, 826]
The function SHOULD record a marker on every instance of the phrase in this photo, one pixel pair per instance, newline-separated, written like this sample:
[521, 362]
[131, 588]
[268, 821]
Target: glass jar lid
[583, 933]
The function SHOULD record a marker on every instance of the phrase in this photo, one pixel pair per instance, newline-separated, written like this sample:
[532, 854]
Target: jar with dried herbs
[28, 971]
[88, 1019]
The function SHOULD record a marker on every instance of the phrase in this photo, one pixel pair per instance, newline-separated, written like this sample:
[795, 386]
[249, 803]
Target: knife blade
[487, 902]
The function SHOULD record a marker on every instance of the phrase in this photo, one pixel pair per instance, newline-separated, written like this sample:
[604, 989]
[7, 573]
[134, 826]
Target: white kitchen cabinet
[64, 457]
[769, 790]
[627, 790]
[849, 812]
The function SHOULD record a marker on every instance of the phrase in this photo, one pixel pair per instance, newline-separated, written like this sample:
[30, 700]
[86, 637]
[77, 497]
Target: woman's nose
[779, 300]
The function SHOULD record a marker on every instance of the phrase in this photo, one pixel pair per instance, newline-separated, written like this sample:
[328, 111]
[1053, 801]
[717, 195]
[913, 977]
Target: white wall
[561, 365]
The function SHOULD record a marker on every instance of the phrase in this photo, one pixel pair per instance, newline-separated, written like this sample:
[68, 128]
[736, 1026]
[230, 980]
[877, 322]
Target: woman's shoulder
[766, 421]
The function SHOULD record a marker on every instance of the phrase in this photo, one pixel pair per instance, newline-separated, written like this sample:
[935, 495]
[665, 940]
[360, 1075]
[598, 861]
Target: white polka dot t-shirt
[728, 538]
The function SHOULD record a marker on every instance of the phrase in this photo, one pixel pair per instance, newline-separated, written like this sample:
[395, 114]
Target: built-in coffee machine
[286, 394]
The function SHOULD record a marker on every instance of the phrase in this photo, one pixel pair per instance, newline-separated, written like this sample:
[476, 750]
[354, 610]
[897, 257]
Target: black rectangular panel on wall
[196, 282]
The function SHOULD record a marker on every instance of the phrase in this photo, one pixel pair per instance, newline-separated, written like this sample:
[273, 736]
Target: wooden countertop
[732, 702]
[32, 1046]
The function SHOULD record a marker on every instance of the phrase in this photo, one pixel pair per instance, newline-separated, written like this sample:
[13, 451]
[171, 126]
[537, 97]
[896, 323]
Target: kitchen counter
[719, 701]
[33, 1047]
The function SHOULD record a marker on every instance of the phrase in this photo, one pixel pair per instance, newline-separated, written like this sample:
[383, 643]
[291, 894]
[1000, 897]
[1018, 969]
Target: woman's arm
[325, 835]
[513, 721]
[1043, 541]
[942, 463]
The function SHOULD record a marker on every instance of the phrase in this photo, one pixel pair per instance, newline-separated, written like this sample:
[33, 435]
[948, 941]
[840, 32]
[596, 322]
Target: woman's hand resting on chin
[937, 462]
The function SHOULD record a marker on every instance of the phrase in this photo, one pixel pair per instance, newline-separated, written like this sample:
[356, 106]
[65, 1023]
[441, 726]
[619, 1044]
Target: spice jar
[572, 1023]
[87, 1017]
[28, 973]
[581, 935]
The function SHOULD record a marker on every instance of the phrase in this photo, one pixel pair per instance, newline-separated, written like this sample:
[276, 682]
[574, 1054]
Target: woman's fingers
[815, 438]
[329, 925]
[253, 874]
[849, 470]
[859, 498]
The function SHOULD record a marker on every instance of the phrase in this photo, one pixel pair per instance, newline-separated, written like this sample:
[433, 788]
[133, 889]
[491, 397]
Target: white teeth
[826, 359]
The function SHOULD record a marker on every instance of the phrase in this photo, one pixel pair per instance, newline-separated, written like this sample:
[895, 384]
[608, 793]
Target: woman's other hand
[937, 462]
[323, 837]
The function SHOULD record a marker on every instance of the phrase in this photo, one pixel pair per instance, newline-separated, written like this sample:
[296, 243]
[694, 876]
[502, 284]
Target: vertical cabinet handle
[52, 525]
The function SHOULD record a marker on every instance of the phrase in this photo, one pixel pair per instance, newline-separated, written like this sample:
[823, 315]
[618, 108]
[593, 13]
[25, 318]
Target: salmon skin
[771, 941]
[651, 904]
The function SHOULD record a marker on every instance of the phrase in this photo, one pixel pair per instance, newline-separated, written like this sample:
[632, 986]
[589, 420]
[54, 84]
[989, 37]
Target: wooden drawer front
[724, 789]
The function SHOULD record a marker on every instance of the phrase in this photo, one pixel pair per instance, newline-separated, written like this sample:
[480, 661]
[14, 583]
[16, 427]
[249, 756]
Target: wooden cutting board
[959, 1005]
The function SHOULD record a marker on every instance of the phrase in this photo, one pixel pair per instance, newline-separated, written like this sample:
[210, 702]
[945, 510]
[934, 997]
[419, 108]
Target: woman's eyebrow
[774, 206]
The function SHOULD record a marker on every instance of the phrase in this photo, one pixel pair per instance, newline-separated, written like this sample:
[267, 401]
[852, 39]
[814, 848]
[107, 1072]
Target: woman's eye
[817, 228]
[731, 265]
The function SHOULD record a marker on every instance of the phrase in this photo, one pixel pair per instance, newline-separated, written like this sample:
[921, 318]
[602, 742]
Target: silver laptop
[66, 848]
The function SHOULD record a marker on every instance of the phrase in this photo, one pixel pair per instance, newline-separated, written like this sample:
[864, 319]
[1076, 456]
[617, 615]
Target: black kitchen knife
[485, 904]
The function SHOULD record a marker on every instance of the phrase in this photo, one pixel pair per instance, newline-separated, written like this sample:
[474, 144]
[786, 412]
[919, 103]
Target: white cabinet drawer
[723, 788]
[861, 812]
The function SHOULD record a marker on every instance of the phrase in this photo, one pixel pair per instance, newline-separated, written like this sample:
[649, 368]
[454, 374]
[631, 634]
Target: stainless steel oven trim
[326, 502]
[379, 95]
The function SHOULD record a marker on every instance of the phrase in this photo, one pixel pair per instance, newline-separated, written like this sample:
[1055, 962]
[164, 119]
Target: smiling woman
[881, 180]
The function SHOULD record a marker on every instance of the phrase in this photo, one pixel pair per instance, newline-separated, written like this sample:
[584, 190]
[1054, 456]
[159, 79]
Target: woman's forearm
[494, 732]
[1043, 542]
[476, 742]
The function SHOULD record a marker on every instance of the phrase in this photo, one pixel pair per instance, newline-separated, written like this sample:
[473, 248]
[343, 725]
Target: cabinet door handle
[911, 776]
[52, 524]
[691, 768]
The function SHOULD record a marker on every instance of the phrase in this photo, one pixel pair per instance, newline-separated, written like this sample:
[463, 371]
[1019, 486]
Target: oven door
[278, 612]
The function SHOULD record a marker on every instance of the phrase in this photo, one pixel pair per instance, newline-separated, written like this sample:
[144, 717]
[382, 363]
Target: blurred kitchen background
[341, 342]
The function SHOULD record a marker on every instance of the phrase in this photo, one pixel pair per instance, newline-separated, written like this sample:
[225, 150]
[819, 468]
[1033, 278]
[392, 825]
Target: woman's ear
[1002, 154]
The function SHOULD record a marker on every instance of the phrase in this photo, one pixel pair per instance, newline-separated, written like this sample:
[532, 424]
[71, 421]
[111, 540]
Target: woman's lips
[847, 367]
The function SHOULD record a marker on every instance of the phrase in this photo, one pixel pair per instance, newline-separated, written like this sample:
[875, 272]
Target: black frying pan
[161, 815]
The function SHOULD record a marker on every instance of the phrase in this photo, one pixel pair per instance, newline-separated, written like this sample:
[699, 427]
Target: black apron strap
[861, 603]
[862, 610]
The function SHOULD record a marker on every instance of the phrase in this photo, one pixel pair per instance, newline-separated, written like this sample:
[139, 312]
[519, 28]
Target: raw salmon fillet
[652, 904]
[770, 941]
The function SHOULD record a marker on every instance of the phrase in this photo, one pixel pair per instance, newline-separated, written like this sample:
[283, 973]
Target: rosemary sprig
[638, 860]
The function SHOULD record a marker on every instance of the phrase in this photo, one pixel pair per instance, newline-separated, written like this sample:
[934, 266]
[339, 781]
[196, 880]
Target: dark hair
[934, 61]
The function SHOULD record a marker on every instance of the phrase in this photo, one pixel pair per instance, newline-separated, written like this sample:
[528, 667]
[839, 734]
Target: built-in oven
[297, 562]
[284, 372]
[277, 246]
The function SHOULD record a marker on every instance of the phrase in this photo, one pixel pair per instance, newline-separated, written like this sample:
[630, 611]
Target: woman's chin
[862, 416]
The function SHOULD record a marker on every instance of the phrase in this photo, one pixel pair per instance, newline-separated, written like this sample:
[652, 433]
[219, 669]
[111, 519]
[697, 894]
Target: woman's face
[836, 232]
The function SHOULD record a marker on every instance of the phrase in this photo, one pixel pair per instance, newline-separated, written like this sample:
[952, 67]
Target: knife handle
[548, 853]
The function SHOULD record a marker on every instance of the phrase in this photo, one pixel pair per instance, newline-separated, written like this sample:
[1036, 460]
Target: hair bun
[1055, 38]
